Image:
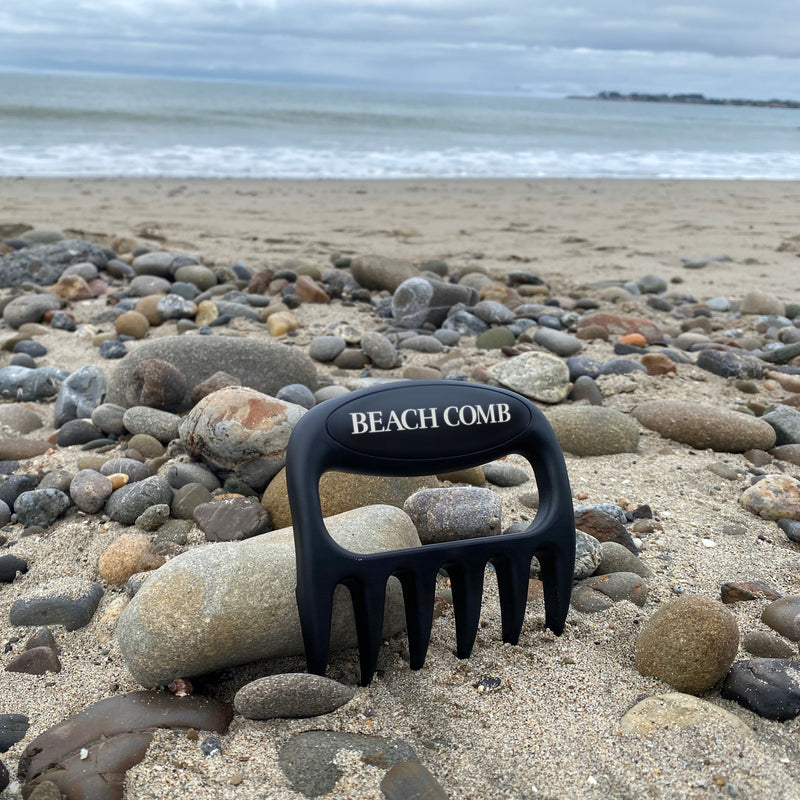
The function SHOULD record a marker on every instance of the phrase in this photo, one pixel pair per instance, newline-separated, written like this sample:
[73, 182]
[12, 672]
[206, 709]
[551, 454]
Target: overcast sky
[723, 48]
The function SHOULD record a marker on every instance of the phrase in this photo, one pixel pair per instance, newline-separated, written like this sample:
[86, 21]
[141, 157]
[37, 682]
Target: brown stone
[125, 556]
[309, 291]
[604, 528]
[132, 323]
[35, 661]
[786, 452]
[341, 492]
[790, 383]
[588, 332]
[742, 592]
[158, 384]
[259, 283]
[17, 449]
[618, 325]
[281, 323]
[72, 287]
[219, 380]
[148, 306]
[658, 364]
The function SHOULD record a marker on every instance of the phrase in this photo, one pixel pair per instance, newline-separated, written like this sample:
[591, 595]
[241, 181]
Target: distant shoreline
[686, 99]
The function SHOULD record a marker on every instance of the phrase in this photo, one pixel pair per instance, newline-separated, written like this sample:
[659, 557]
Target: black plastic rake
[425, 428]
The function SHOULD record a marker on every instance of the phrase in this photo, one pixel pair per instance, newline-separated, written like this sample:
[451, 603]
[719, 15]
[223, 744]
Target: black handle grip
[419, 428]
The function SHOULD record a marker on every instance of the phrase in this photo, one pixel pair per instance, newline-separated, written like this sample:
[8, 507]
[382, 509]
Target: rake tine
[418, 595]
[557, 571]
[315, 611]
[368, 603]
[466, 581]
[513, 575]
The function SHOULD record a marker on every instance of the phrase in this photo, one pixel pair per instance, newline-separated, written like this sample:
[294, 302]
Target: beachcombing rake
[425, 428]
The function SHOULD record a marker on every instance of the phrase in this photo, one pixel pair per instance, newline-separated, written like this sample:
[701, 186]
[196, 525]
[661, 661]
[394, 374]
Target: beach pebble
[689, 643]
[89, 490]
[492, 312]
[410, 779]
[464, 323]
[5, 513]
[604, 527]
[13, 728]
[619, 325]
[791, 528]
[219, 380]
[281, 323]
[77, 431]
[447, 515]
[181, 473]
[294, 695]
[187, 498]
[728, 364]
[162, 425]
[770, 687]
[298, 394]
[381, 272]
[30, 348]
[410, 302]
[617, 586]
[80, 394]
[264, 366]
[558, 342]
[786, 422]
[539, 376]
[127, 555]
[10, 565]
[594, 430]
[758, 302]
[231, 519]
[343, 491]
[56, 479]
[652, 715]
[773, 497]
[587, 555]
[175, 306]
[132, 323]
[29, 308]
[35, 661]
[500, 473]
[146, 445]
[19, 449]
[763, 644]
[243, 431]
[19, 418]
[422, 344]
[153, 517]
[326, 348]
[379, 350]
[614, 557]
[43, 263]
[14, 485]
[158, 384]
[112, 349]
[24, 384]
[70, 602]
[135, 470]
[149, 286]
[745, 591]
[243, 604]
[199, 276]
[41, 507]
[308, 759]
[127, 503]
[161, 263]
[700, 425]
[782, 616]
[495, 339]
[621, 366]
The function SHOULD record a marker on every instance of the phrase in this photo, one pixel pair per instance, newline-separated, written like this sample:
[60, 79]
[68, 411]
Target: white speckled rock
[540, 376]
[241, 430]
[233, 602]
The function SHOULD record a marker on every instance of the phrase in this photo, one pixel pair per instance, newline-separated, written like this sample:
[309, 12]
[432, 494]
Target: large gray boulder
[264, 366]
[230, 603]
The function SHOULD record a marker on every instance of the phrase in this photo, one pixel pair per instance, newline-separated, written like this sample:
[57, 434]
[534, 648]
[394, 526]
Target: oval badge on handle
[419, 421]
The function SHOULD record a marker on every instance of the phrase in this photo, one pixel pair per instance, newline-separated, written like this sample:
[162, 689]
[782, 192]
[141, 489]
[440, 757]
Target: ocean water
[57, 125]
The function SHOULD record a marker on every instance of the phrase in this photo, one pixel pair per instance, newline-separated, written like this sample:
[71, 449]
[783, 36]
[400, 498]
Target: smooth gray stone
[264, 366]
[239, 600]
[558, 342]
[379, 350]
[615, 557]
[781, 355]
[295, 695]
[13, 728]
[162, 264]
[29, 308]
[29, 385]
[179, 474]
[135, 470]
[465, 323]
[594, 430]
[43, 264]
[108, 417]
[298, 394]
[80, 394]
[611, 509]
[786, 422]
[492, 312]
[144, 285]
[129, 502]
[452, 514]
[69, 602]
[160, 424]
[175, 306]
[422, 344]
[651, 284]
[501, 474]
[228, 309]
[326, 348]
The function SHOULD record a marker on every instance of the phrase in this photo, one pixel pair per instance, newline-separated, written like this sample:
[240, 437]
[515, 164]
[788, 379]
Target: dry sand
[552, 729]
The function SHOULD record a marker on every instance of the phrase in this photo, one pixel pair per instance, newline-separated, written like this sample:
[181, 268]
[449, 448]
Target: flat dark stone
[73, 610]
[116, 732]
[35, 661]
[768, 686]
[13, 728]
[10, 566]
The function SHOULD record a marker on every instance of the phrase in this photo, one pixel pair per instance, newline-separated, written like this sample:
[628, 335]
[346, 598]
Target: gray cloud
[724, 47]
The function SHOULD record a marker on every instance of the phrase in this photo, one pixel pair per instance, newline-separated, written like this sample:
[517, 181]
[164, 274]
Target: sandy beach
[553, 728]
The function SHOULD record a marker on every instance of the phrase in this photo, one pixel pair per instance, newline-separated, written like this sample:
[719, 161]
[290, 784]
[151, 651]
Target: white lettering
[359, 422]
[462, 415]
[431, 418]
[375, 421]
[485, 415]
[406, 425]
[394, 420]
[447, 420]
[503, 412]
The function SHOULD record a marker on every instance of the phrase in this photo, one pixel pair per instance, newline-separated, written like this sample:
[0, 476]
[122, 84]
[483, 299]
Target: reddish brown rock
[259, 283]
[125, 556]
[35, 661]
[604, 528]
[618, 325]
[742, 592]
[786, 452]
[309, 291]
[658, 364]
[588, 332]
[219, 380]
[158, 384]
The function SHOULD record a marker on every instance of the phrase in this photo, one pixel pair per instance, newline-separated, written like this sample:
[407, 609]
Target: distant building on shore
[692, 98]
